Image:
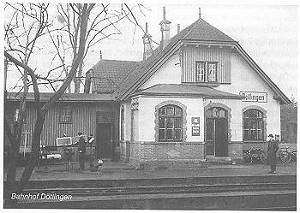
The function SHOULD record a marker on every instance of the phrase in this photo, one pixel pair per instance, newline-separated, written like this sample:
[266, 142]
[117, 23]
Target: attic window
[206, 71]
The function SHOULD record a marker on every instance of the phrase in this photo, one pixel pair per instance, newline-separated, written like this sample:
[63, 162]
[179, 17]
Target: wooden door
[104, 141]
[216, 132]
[221, 141]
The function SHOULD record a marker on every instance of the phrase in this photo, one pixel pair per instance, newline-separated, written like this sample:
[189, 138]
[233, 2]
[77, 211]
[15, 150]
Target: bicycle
[255, 155]
[286, 155]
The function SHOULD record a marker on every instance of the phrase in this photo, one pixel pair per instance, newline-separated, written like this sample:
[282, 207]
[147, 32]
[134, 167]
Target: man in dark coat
[81, 150]
[272, 149]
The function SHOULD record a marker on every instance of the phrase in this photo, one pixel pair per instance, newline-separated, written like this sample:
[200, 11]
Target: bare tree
[84, 26]
[103, 21]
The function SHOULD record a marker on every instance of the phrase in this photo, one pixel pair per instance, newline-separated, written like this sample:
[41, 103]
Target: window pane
[214, 112]
[209, 114]
[177, 122]
[260, 135]
[170, 122]
[161, 122]
[178, 111]
[246, 135]
[170, 111]
[247, 123]
[161, 134]
[222, 113]
[212, 72]
[169, 134]
[260, 115]
[260, 124]
[200, 71]
[253, 134]
[178, 134]
[162, 111]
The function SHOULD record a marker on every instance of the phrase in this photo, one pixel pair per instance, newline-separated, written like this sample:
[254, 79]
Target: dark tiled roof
[66, 97]
[186, 90]
[200, 30]
[107, 74]
[203, 31]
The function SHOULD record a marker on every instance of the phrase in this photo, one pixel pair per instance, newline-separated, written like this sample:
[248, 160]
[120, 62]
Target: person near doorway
[91, 143]
[81, 150]
[272, 149]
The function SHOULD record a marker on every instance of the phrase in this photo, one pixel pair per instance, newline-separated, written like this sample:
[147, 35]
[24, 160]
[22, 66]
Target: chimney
[178, 28]
[88, 81]
[165, 30]
[199, 12]
[147, 43]
[100, 55]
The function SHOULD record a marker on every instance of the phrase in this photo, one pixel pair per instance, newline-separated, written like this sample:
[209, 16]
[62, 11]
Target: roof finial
[164, 12]
[178, 28]
[199, 12]
[146, 27]
[100, 55]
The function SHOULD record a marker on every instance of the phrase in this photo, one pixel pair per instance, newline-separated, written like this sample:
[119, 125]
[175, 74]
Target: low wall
[145, 154]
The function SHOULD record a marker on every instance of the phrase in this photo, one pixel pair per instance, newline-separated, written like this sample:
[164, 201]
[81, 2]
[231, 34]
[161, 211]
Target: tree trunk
[11, 184]
[35, 151]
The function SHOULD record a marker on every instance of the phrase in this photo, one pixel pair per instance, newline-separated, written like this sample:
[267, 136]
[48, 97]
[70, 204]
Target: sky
[268, 33]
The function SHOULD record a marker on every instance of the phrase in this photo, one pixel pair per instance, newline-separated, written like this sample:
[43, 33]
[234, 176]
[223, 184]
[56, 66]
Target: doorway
[104, 146]
[216, 132]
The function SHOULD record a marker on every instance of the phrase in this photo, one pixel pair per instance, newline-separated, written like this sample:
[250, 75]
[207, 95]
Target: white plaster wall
[244, 78]
[168, 73]
[147, 116]
[127, 121]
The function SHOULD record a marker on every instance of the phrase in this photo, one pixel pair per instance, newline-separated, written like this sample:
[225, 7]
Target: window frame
[173, 118]
[62, 114]
[206, 74]
[256, 120]
[183, 122]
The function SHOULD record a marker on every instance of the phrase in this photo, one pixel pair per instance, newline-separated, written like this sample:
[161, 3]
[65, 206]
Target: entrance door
[216, 132]
[104, 141]
[221, 141]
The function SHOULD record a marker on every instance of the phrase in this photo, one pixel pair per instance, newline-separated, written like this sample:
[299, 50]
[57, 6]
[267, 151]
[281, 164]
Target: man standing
[91, 143]
[272, 149]
[81, 150]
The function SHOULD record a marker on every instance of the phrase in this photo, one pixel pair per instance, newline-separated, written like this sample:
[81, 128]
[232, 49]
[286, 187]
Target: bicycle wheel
[285, 157]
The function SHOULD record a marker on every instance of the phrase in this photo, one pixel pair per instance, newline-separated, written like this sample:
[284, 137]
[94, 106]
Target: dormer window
[206, 71]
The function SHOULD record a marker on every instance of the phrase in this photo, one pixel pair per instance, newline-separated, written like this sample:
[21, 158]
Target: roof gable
[203, 31]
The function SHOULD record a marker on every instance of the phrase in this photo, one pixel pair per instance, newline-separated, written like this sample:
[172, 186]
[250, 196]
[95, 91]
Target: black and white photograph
[144, 105]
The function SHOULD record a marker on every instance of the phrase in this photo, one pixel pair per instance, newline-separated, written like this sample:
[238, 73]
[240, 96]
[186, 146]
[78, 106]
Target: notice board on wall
[195, 126]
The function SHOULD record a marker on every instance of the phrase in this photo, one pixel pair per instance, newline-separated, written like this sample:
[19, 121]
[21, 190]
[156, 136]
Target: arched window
[170, 123]
[253, 125]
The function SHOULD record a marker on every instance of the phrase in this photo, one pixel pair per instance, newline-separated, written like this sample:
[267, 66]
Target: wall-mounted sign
[254, 96]
[134, 104]
[195, 126]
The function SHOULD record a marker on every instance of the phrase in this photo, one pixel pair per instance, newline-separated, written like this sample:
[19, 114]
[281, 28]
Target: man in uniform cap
[272, 149]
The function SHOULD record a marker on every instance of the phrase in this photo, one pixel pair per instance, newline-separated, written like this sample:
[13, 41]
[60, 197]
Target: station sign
[250, 96]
